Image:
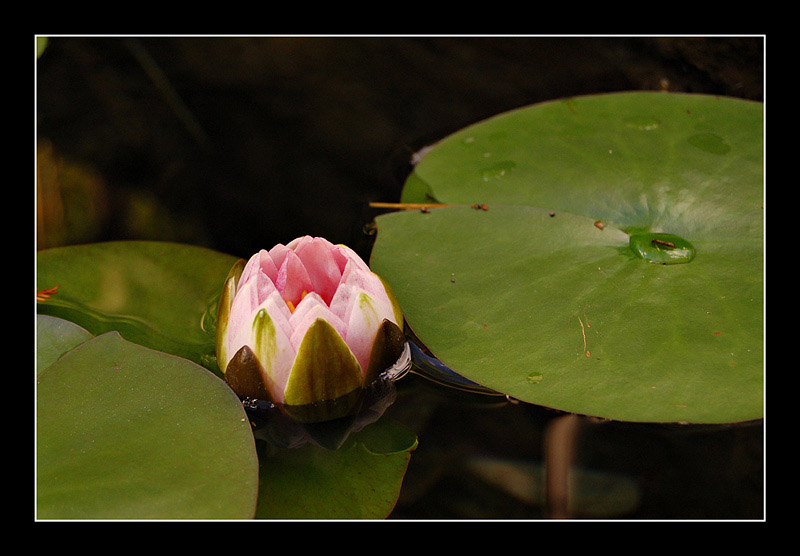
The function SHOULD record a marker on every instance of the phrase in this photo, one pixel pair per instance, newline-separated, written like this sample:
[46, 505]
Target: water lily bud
[306, 323]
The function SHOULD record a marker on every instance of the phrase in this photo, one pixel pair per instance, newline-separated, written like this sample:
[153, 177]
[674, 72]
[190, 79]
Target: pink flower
[303, 323]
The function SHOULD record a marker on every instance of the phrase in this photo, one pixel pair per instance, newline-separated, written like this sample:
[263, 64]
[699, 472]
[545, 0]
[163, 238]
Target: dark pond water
[480, 458]
[241, 143]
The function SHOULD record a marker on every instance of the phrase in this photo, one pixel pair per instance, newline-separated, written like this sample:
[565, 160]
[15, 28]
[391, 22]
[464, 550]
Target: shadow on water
[484, 457]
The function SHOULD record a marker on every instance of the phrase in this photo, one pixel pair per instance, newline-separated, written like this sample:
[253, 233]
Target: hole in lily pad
[662, 248]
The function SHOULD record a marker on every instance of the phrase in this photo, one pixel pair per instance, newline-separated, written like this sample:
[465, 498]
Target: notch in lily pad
[662, 248]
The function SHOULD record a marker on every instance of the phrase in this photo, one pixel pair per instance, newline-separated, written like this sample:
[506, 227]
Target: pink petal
[362, 327]
[342, 301]
[276, 364]
[264, 286]
[278, 310]
[347, 293]
[293, 279]
[255, 276]
[250, 268]
[240, 320]
[268, 265]
[343, 254]
[321, 267]
[307, 313]
[347, 301]
[260, 261]
[305, 305]
[278, 254]
[298, 241]
[355, 275]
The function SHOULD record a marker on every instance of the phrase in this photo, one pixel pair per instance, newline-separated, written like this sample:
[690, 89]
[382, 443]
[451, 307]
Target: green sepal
[386, 349]
[398, 313]
[224, 310]
[244, 376]
[325, 369]
[265, 348]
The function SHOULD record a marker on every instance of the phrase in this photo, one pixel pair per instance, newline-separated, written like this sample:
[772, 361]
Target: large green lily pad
[126, 432]
[539, 294]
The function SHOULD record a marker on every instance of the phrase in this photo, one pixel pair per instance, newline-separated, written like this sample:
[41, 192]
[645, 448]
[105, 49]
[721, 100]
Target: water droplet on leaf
[662, 248]
[498, 170]
[643, 124]
[535, 378]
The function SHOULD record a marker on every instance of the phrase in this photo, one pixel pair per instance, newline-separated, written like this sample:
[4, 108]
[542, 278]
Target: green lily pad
[160, 295]
[539, 293]
[126, 432]
[292, 479]
[54, 337]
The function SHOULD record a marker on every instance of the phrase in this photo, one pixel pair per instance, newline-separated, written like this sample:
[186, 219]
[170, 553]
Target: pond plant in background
[599, 255]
